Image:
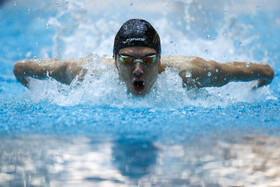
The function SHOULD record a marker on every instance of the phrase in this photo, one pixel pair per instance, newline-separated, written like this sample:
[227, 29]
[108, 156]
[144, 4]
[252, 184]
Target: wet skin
[138, 77]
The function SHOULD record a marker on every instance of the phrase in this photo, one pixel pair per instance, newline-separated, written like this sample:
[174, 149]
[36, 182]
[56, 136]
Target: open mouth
[138, 84]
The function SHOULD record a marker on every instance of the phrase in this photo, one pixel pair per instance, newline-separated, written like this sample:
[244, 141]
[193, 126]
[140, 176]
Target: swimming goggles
[147, 60]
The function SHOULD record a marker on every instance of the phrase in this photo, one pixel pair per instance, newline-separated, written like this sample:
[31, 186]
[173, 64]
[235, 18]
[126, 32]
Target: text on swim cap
[133, 39]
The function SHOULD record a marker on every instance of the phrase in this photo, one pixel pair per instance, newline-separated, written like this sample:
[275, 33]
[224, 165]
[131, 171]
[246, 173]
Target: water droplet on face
[209, 74]
[247, 65]
[47, 25]
[188, 74]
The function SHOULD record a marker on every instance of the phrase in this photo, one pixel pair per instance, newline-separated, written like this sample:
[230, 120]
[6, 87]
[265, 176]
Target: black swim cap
[137, 32]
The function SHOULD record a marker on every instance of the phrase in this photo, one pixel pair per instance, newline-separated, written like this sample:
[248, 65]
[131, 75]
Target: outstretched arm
[61, 70]
[241, 71]
[197, 72]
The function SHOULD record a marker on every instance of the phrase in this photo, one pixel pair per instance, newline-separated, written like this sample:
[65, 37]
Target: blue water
[98, 134]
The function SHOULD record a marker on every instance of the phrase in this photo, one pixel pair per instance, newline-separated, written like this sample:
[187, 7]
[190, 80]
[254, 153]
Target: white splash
[105, 88]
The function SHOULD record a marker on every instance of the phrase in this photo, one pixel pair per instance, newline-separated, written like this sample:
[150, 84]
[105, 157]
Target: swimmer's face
[139, 76]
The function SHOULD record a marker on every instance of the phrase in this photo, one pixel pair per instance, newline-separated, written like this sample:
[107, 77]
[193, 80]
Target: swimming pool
[97, 134]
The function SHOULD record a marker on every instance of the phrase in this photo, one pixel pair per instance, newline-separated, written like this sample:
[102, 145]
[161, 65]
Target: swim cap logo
[132, 40]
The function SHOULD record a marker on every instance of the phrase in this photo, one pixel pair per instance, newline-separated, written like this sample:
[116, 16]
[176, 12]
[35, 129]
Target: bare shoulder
[109, 61]
[88, 61]
[182, 62]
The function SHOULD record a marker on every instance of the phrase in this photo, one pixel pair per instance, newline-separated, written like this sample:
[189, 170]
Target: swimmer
[137, 57]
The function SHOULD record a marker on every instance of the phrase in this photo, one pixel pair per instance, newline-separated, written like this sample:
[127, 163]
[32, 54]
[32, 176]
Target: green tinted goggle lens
[146, 60]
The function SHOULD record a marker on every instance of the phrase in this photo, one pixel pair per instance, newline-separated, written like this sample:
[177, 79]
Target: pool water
[95, 133]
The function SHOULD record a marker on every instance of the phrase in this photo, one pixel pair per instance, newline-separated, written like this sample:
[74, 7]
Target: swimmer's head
[137, 55]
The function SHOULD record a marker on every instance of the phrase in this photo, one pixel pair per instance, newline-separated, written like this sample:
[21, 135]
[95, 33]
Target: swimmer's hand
[63, 71]
[266, 76]
[261, 82]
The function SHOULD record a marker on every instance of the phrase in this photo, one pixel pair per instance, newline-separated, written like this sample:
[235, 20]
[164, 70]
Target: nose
[138, 72]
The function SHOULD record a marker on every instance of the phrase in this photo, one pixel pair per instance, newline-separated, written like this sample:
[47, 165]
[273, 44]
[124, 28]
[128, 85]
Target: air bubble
[47, 25]
[188, 74]
[57, 4]
[206, 51]
[208, 36]
[247, 65]
[15, 3]
[209, 74]
[217, 70]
